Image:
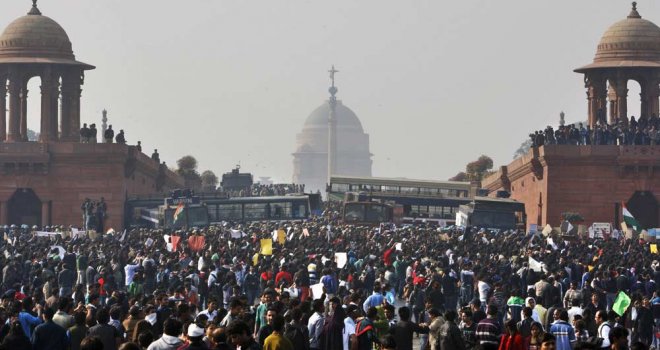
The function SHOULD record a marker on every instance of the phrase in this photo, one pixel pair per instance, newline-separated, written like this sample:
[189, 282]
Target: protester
[152, 290]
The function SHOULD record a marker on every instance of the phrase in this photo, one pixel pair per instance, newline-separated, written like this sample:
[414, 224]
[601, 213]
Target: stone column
[46, 100]
[621, 87]
[14, 132]
[54, 107]
[71, 105]
[24, 110]
[65, 114]
[649, 96]
[612, 107]
[3, 109]
[597, 97]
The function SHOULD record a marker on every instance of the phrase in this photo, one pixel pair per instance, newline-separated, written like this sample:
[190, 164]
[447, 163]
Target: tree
[461, 176]
[186, 164]
[187, 168]
[209, 181]
[475, 171]
[523, 149]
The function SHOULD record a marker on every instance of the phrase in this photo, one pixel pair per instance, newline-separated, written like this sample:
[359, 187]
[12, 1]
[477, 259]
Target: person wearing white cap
[195, 337]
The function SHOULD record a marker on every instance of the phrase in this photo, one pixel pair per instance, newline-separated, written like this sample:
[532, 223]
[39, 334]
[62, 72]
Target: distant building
[351, 154]
[235, 180]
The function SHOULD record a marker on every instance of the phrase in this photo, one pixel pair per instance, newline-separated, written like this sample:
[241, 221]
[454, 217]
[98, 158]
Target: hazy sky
[435, 83]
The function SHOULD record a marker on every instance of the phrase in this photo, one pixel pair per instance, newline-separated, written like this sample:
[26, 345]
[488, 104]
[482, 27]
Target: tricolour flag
[630, 219]
[178, 211]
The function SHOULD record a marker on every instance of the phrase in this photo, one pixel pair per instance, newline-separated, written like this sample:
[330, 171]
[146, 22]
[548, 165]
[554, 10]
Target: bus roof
[336, 179]
[264, 199]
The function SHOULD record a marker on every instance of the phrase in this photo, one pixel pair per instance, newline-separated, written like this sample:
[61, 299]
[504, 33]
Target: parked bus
[208, 208]
[421, 202]
[496, 213]
[366, 213]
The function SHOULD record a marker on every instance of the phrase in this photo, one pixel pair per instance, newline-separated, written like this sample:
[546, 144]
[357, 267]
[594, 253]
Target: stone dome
[631, 42]
[36, 38]
[346, 118]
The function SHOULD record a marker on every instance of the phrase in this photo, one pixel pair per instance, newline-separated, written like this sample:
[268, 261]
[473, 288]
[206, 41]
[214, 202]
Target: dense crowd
[261, 190]
[321, 284]
[644, 131]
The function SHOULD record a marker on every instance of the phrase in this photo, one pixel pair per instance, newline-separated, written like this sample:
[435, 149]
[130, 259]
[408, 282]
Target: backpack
[363, 332]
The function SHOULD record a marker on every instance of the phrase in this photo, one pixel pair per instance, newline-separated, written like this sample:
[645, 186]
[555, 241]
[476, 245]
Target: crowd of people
[324, 285]
[261, 190]
[90, 135]
[644, 131]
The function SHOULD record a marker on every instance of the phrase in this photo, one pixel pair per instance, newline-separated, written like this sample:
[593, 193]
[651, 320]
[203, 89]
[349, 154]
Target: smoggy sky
[435, 83]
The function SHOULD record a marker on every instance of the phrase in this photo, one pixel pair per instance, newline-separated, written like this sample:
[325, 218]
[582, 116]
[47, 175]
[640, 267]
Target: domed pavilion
[629, 50]
[36, 46]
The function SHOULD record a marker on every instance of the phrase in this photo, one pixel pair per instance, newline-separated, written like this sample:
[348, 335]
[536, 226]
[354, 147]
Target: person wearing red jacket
[512, 340]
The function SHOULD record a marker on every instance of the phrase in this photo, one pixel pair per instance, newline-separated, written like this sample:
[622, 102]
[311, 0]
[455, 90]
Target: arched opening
[24, 208]
[634, 99]
[34, 108]
[644, 206]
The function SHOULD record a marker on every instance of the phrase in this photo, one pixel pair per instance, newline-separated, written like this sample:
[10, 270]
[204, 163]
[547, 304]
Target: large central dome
[632, 42]
[346, 118]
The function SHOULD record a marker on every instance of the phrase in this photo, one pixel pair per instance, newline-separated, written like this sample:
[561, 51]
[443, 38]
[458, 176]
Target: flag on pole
[630, 219]
[621, 303]
[178, 211]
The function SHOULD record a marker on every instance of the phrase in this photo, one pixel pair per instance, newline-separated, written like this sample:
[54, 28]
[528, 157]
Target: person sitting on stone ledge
[120, 138]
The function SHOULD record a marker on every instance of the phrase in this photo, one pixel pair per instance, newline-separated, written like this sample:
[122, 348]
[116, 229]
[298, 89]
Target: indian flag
[178, 211]
[630, 219]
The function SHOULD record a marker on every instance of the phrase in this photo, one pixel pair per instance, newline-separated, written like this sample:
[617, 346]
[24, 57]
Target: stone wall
[71, 172]
[589, 180]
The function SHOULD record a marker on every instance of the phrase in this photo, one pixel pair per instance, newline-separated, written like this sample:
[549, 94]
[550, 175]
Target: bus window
[409, 190]
[340, 187]
[376, 213]
[198, 216]
[213, 212]
[256, 211]
[354, 212]
[230, 212]
[298, 210]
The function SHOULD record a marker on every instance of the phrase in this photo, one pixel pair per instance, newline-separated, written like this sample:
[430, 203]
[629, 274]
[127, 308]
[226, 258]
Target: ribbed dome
[35, 38]
[632, 42]
[346, 118]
